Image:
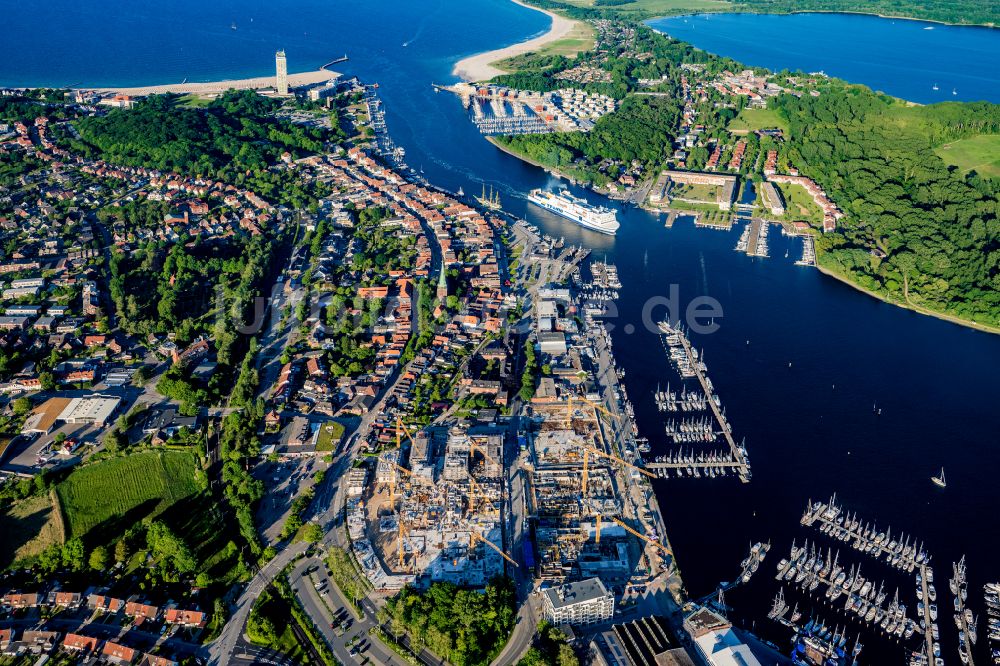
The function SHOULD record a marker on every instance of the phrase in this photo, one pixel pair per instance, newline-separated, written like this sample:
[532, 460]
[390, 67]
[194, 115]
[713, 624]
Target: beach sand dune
[479, 67]
[215, 87]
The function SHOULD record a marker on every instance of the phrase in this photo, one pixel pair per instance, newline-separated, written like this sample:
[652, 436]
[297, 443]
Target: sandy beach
[479, 67]
[215, 87]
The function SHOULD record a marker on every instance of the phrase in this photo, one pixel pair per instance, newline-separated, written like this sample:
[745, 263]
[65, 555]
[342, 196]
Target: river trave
[799, 359]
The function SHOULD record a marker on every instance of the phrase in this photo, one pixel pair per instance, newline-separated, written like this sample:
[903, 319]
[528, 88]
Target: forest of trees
[464, 627]
[917, 231]
[948, 11]
[234, 139]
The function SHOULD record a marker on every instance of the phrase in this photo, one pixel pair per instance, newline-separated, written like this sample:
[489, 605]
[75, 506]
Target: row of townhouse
[133, 607]
[79, 645]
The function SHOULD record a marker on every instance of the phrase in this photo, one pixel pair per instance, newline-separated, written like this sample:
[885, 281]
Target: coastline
[547, 169]
[983, 328]
[216, 87]
[742, 10]
[991, 26]
[480, 67]
[510, 152]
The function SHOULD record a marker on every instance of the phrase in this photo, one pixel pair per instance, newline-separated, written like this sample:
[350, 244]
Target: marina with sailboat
[704, 428]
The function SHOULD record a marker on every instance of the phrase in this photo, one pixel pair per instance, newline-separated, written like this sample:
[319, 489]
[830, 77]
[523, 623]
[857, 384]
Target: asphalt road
[323, 603]
[223, 648]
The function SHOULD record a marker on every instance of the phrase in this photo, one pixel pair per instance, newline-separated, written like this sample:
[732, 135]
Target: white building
[281, 71]
[582, 602]
[328, 89]
[96, 409]
[552, 342]
[716, 641]
[356, 480]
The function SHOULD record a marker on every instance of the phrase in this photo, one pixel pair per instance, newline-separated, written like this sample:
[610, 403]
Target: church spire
[442, 288]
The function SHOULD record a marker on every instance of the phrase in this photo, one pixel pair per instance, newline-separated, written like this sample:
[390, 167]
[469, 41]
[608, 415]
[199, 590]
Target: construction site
[433, 511]
[576, 496]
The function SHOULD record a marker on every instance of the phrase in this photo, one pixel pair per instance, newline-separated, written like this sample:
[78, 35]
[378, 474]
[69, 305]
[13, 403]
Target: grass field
[346, 575]
[756, 119]
[194, 101]
[111, 495]
[980, 153]
[696, 192]
[798, 205]
[29, 527]
[329, 436]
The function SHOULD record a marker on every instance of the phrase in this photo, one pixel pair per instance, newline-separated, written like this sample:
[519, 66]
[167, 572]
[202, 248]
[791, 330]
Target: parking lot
[283, 481]
[34, 452]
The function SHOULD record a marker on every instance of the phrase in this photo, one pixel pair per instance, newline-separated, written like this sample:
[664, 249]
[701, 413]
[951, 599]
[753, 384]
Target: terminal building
[716, 641]
[582, 602]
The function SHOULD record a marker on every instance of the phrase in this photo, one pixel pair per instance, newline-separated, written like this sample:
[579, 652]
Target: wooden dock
[725, 464]
[828, 513]
[958, 576]
[755, 227]
[928, 622]
[742, 464]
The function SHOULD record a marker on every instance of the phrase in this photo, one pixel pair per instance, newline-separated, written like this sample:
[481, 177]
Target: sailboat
[460, 192]
[954, 91]
[232, 26]
[939, 480]
[934, 87]
[492, 201]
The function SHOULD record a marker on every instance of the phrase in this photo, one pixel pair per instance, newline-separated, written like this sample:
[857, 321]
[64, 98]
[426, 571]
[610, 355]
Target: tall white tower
[281, 68]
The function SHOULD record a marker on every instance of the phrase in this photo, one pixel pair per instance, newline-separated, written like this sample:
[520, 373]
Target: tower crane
[399, 539]
[476, 490]
[645, 538]
[569, 408]
[400, 429]
[482, 449]
[588, 450]
[474, 536]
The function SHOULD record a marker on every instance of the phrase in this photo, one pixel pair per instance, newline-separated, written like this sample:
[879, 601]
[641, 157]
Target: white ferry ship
[597, 218]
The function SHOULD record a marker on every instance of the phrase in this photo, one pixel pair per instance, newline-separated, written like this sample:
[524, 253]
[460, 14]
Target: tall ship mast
[564, 204]
[492, 201]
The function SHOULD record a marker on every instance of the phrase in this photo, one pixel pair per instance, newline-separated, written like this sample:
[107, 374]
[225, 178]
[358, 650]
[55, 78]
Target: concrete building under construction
[435, 509]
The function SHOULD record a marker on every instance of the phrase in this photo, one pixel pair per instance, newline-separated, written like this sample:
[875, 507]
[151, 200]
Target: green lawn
[580, 38]
[110, 495]
[194, 101]
[798, 204]
[329, 436]
[980, 153]
[757, 119]
[696, 192]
